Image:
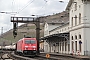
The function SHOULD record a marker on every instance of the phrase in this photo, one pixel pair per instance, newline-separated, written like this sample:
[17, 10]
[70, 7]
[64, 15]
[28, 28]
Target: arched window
[75, 36]
[72, 21]
[75, 6]
[79, 36]
[75, 20]
[72, 37]
[79, 18]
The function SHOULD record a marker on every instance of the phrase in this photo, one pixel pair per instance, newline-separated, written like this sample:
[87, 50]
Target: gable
[69, 4]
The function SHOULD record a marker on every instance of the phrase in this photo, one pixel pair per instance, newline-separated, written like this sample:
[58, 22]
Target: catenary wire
[31, 3]
[43, 6]
[26, 6]
[12, 5]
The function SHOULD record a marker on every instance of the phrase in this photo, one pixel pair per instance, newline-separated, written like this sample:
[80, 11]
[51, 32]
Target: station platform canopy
[63, 35]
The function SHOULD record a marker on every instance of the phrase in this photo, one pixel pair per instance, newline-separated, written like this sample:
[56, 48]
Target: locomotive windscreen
[30, 41]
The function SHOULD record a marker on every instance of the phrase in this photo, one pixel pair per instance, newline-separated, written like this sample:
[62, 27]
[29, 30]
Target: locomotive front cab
[30, 47]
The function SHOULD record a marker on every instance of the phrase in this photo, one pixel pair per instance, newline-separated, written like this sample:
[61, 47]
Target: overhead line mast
[17, 20]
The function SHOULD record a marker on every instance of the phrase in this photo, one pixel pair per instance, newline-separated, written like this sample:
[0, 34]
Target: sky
[26, 8]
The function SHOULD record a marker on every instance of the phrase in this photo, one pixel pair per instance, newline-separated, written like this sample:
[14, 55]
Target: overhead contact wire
[44, 5]
[26, 5]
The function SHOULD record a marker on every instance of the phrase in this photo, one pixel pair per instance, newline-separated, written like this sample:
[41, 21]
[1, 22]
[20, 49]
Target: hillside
[25, 29]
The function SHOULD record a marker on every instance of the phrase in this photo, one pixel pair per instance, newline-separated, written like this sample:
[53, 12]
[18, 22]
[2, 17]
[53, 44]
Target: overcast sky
[28, 8]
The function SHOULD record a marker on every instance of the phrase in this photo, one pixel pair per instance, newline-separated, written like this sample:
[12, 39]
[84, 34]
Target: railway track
[63, 57]
[53, 57]
[43, 57]
[31, 58]
[8, 55]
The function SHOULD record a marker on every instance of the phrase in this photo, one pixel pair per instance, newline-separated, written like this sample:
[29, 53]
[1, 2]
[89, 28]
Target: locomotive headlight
[34, 46]
[26, 46]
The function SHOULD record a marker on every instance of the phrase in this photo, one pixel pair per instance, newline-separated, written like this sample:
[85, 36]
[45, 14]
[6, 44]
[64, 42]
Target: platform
[82, 57]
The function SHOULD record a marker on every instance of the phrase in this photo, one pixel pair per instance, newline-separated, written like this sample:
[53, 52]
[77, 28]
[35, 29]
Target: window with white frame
[72, 21]
[79, 36]
[75, 20]
[72, 37]
[75, 36]
[75, 6]
[79, 18]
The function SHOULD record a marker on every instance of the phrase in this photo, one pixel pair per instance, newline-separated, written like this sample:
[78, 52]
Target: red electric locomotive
[27, 46]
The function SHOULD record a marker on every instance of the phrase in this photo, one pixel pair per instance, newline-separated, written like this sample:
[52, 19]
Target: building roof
[62, 17]
[60, 26]
[69, 4]
[62, 35]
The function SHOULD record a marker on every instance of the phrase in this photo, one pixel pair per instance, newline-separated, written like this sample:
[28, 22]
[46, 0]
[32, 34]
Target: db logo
[47, 55]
